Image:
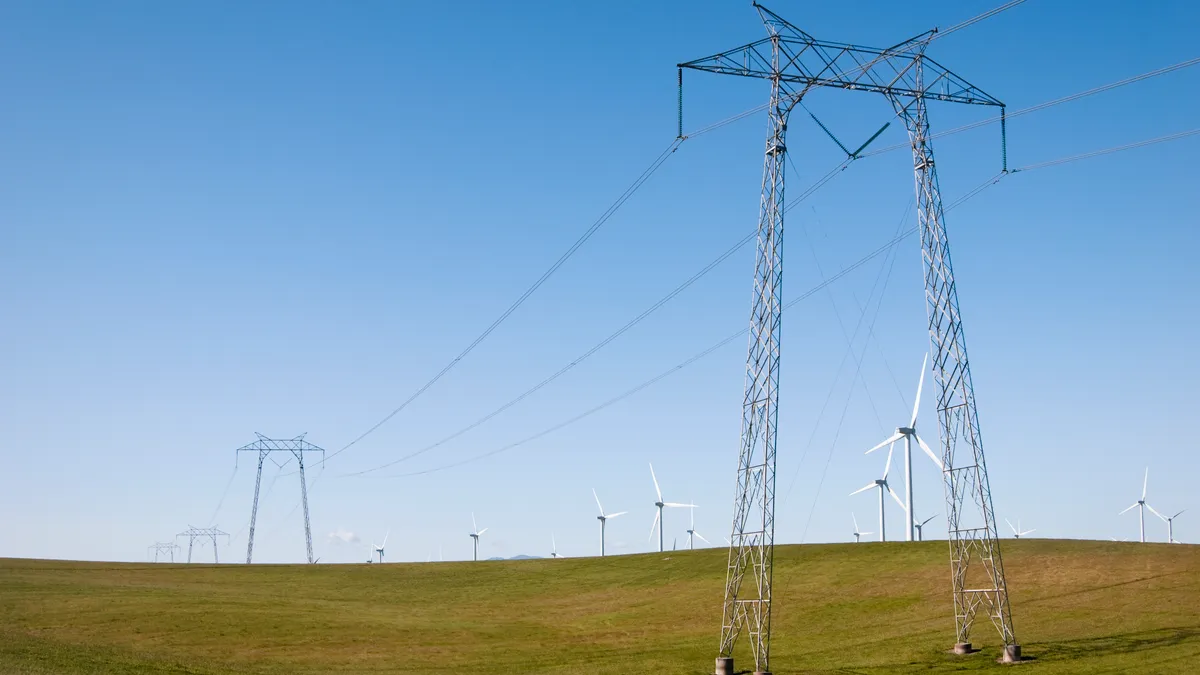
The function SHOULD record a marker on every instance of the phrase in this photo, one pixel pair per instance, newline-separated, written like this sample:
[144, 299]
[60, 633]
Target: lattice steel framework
[164, 547]
[264, 447]
[211, 532]
[795, 62]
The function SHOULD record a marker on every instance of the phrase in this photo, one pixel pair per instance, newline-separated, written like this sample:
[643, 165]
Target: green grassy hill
[1078, 606]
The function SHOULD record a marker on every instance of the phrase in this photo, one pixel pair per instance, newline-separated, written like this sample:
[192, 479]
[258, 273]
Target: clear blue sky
[222, 218]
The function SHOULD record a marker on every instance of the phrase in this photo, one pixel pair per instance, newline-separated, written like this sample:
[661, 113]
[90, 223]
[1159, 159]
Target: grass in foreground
[1078, 607]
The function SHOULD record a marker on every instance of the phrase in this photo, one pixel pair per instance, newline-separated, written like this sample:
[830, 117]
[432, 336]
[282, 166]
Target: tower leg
[749, 573]
[254, 508]
[972, 531]
[304, 500]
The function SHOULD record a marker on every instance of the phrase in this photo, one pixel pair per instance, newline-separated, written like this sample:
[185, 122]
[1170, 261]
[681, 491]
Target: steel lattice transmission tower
[794, 62]
[211, 532]
[264, 447]
[164, 547]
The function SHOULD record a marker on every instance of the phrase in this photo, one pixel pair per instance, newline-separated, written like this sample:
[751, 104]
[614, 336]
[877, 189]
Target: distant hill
[518, 557]
[1078, 607]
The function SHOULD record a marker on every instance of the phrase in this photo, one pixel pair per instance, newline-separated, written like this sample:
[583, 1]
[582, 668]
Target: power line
[803, 296]
[1047, 104]
[587, 234]
[976, 19]
[621, 331]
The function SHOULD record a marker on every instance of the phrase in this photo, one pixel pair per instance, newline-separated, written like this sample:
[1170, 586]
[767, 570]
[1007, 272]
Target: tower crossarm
[806, 62]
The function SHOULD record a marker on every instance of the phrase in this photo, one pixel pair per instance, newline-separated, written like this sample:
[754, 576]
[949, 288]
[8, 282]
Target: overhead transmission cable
[791, 303]
[750, 236]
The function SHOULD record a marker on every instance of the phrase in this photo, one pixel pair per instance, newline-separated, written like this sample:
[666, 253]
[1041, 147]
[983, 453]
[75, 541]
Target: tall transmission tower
[264, 447]
[211, 532]
[164, 548]
[795, 62]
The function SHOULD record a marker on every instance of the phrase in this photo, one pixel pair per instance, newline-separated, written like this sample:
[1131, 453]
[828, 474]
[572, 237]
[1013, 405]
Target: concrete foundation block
[1012, 654]
[725, 665]
[963, 648]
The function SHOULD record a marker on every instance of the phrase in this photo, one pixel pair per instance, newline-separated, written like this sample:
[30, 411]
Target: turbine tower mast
[264, 447]
[794, 62]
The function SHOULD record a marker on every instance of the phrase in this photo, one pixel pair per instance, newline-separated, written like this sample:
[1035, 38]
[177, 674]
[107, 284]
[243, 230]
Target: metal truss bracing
[794, 62]
[163, 548]
[210, 532]
[971, 521]
[264, 447]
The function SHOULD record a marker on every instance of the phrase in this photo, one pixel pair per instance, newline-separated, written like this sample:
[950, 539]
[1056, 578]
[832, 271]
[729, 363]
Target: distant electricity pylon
[264, 447]
[794, 62]
[211, 532]
[163, 547]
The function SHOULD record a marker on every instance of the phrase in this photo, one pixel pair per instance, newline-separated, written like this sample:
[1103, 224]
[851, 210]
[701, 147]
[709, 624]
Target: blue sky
[220, 219]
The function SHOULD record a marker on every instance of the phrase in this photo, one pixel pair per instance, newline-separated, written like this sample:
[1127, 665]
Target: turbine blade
[680, 506]
[891, 439]
[931, 453]
[863, 488]
[927, 520]
[1145, 480]
[920, 385]
[863, 534]
[598, 501]
[855, 522]
[653, 525]
[1132, 506]
[474, 526]
[1010, 526]
[1164, 518]
[385, 537]
[1028, 532]
[614, 515]
[701, 537]
[1177, 514]
[897, 498]
[888, 467]
[480, 533]
[655, 479]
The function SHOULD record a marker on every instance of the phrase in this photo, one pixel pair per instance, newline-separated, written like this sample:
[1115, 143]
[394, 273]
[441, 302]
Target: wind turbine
[920, 535]
[909, 434]
[1017, 531]
[475, 534]
[858, 535]
[692, 530]
[883, 486]
[1171, 526]
[658, 517]
[554, 548]
[604, 517]
[1142, 506]
[378, 548]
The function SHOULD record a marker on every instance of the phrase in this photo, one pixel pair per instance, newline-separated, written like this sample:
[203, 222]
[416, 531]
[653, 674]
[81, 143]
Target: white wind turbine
[692, 530]
[858, 535]
[475, 534]
[603, 518]
[1142, 506]
[919, 526]
[658, 517]
[882, 484]
[1171, 527]
[378, 548]
[554, 548]
[909, 434]
[1017, 531]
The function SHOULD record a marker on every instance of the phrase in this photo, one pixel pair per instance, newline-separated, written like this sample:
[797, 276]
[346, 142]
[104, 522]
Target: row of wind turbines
[378, 550]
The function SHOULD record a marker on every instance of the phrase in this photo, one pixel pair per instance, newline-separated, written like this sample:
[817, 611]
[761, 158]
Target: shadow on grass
[1120, 643]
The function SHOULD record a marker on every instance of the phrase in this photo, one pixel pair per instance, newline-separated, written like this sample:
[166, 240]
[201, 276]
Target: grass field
[1079, 607]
